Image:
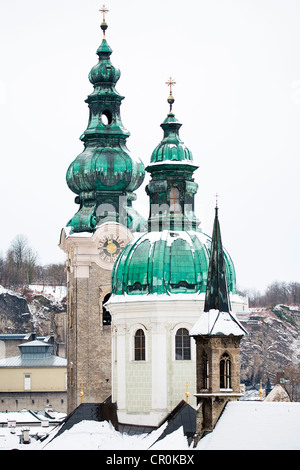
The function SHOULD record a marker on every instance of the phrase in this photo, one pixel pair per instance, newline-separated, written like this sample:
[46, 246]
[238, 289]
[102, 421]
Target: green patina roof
[104, 171]
[173, 257]
[166, 262]
[171, 148]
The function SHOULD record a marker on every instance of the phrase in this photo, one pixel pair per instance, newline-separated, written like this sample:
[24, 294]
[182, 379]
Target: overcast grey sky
[236, 64]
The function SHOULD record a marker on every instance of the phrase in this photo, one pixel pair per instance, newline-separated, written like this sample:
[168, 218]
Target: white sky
[236, 64]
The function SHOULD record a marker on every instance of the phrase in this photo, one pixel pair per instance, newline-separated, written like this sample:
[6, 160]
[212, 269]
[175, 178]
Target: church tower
[103, 177]
[172, 188]
[217, 334]
[158, 290]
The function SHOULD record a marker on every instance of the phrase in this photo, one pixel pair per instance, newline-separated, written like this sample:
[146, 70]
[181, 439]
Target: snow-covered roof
[255, 426]
[215, 322]
[243, 425]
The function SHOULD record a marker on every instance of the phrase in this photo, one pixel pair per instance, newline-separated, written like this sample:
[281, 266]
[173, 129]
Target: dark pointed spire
[217, 297]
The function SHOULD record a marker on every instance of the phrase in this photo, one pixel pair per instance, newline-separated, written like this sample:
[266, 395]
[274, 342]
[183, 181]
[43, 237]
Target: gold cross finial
[187, 393]
[104, 10]
[170, 83]
[170, 100]
[103, 26]
[81, 394]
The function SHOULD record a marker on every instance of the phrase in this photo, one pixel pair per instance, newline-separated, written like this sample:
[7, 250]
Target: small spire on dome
[171, 100]
[104, 26]
[217, 207]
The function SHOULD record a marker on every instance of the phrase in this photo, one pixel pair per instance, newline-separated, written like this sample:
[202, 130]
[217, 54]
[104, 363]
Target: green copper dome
[171, 148]
[104, 72]
[166, 262]
[105, 173]
[104, 169]
[173, 256]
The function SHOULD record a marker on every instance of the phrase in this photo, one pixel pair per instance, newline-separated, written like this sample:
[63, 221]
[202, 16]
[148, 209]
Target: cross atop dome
[104, 10]
[103, 26]
[171, 100]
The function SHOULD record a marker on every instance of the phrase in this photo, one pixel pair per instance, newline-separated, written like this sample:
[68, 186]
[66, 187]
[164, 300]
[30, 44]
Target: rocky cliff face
[272, 343]
[32, 311]
[14, 313]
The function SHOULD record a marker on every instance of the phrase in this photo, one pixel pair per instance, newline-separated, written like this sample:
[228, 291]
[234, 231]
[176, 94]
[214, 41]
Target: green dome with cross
[173, 256]
[104, 175]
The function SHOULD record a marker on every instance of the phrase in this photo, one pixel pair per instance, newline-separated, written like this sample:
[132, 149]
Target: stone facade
[17, 401]
[88, 336]
[217, 382]
[88, 341]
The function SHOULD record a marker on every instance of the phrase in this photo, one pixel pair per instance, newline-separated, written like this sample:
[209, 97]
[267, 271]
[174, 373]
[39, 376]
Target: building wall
[9, 344]
[37, 401]
[42, 379]
[89, 342]
[147, 390]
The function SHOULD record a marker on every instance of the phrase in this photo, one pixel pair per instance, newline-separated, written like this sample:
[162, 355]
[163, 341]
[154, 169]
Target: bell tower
[104, 177]
[172, 188]
[217, 334]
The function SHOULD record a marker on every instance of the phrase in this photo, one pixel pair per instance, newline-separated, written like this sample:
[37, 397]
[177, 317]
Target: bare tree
[21, 262]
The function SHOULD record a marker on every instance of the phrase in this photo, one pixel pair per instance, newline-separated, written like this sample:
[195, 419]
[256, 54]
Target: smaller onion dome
[167, 262]
[171, 147]
[104, 73]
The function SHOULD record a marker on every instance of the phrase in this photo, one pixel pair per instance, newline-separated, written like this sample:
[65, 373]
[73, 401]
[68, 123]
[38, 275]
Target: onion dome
[172, 187]
[166, 262]
[173, 256]
[104, 72]
[171, 148]
[104, 175]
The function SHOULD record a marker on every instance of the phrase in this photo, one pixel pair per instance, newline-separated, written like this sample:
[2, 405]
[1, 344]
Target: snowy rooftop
[242, 426]
[215, 322]
[256, 426]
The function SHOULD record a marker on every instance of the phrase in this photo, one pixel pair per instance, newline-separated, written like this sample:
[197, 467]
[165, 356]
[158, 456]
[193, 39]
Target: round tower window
[106, 117]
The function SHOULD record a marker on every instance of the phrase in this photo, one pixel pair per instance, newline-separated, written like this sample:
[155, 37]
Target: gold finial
[170, 83]
[103, 10]
[171, 100]
[261, 391]
[187, 393]
[81, 394]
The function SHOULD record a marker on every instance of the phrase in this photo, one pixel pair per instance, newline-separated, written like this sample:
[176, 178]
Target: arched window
[225, 371]
[139, 345]
[174, 200]
[182, 345]
[106, 316]
[205, 372]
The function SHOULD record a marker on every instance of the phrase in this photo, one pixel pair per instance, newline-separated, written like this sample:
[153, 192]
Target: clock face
[110, 246]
